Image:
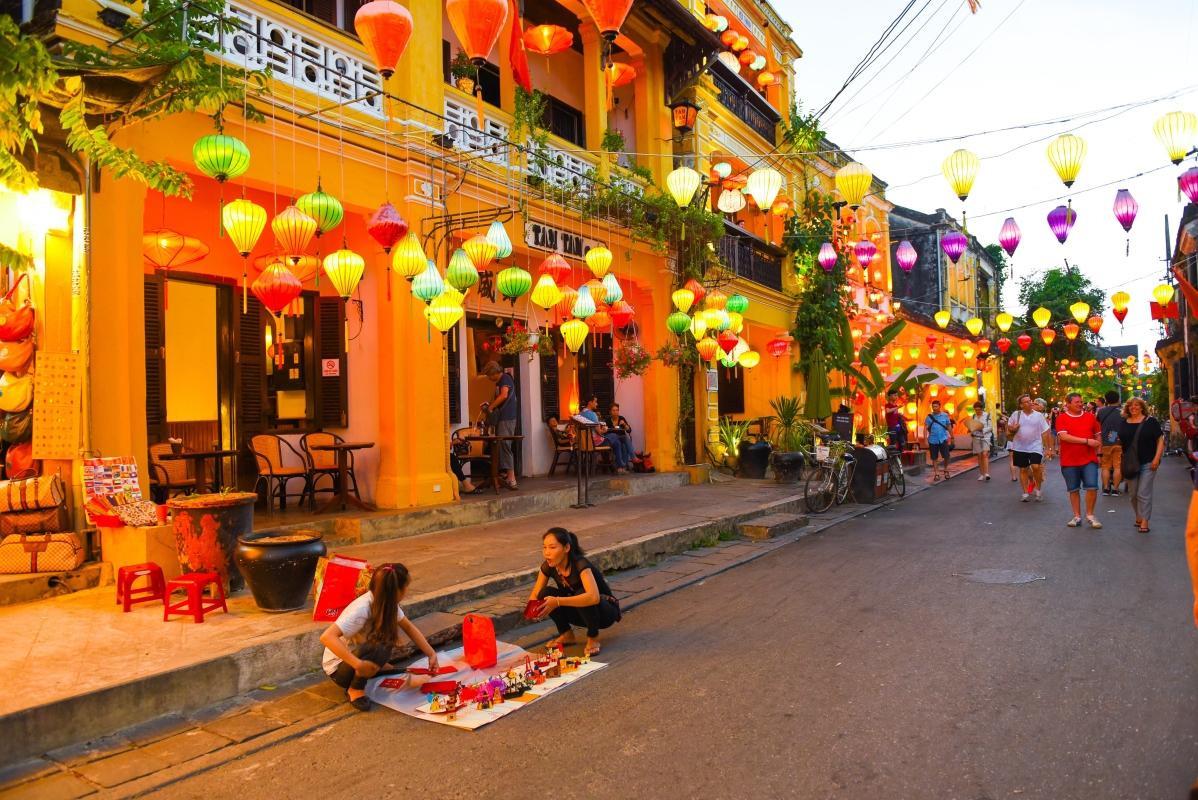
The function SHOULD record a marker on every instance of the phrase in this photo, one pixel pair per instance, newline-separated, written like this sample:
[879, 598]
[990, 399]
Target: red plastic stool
[196, 604]
[127, 596]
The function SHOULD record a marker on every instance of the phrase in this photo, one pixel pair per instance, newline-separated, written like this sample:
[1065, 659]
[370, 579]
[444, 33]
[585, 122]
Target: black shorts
[1023, 460]
[942, 450]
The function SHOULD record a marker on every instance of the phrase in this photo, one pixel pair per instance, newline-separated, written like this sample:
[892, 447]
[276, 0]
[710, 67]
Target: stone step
[771, 525]
[40, 586]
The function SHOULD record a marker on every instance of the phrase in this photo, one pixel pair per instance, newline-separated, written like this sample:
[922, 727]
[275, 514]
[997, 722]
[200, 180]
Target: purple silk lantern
[1061, 220]
[1010, 235]
[827, 256]
[905, 255]
[953, 244]
[866, 250]
[1188, 183]
[1125, 209]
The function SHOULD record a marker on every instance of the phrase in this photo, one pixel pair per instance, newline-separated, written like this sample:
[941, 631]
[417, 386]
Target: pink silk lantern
[905, 255]
[1010, 235]
[953, 244]
[1188, 183]
[865, 250]
[827, 256]
[1125, 209]
[1060, 221]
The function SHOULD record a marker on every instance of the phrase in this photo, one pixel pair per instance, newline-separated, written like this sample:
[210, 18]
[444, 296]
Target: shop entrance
[484, 342]
[595, 376]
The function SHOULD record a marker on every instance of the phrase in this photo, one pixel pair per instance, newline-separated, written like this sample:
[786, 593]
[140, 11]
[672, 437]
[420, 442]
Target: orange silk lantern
[708, 348]
[1094, 323]
[620, 74]
[557, 268]
[548, 40]
[276, 287]
[477, 24]
[621, 313]
[1047, 335]
[729, 37]
[1071, 330]
[384, 27]
[696, 289]
[748, 57]
[609, 15]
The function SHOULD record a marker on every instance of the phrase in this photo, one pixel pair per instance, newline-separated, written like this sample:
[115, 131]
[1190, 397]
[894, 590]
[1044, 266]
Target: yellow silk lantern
[1177, 131]
[1119, 300]
[1080, 311]
[1162, 294]
[1004, 321]
[942, 317]
[913, 351]
[736, 322]
[1066, 153]
[598, 260]
[960, 169]
[683, 182]
[708, 348]
[974, 325]
[715, 299]
[293, 230]
[408, 259]
[749, 359]
[683, 299]
[763, 186]
[345, 269]
[574, 331]
[444, 313]
[243, 221]
[481, 251]
[853, 181]
[1041, 316]
[546, 294]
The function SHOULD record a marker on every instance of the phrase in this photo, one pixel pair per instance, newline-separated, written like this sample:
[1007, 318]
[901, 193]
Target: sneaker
[1114, 493]
[981, 477]
[987, 477]
[1106, 493]
[1095, 524]
[1025, 497]
[1073, 523]
[1039, 496]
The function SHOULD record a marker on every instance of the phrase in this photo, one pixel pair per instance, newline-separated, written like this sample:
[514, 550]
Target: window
[488, 75]
[564, 121]
[732, 390]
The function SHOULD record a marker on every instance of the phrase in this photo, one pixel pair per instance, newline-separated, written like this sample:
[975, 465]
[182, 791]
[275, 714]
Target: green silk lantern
[223, 158]
[584, 306]
[737, 303]
[322, 207]
[612, 293]
[428, 284]
[678, 323]
[513, 282]
[461, 273]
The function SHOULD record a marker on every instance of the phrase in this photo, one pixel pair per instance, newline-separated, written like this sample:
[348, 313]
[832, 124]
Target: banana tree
[863, 366]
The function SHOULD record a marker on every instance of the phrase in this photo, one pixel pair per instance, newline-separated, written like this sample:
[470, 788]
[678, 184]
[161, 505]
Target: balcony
[751, 258]
[746, 104]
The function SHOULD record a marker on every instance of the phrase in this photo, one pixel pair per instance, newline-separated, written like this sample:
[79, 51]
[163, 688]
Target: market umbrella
[940, 380]
[819, 401]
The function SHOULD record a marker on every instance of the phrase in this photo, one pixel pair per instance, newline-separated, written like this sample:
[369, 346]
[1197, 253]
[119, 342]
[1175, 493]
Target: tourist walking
[1050, 447]
[1080, 438]
[940, 439]
[1143, 444]
[505, 411]
[1027, 432]
[1110, 418]
[981, 432]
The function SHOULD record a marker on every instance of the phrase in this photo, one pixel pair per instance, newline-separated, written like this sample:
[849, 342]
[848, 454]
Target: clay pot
[279, 566]
[754, 458]
[465, 84]
[206, 530]
[788, 467]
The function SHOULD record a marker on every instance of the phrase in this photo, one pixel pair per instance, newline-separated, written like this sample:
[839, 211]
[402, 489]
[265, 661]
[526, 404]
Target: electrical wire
[857, 70]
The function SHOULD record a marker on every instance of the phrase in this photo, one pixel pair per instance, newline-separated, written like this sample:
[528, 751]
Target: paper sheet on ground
[385, 690]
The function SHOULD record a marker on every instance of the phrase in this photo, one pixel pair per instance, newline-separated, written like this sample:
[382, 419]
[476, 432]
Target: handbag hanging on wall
[15, 357]
[19, 462]
[16, 319]
[16, 392]
[17, 427]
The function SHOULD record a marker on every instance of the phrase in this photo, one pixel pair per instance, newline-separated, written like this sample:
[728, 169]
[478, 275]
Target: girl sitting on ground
[581, 596]
[371, 623]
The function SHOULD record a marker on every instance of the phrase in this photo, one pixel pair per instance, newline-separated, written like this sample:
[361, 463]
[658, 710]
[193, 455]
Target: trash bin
[868, 483]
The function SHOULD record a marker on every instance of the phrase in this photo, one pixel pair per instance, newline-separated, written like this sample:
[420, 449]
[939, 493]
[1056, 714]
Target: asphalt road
[859, 663]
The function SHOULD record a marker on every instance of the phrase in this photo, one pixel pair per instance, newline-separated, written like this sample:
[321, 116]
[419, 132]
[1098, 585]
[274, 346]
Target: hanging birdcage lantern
[461, 273]
[384, 27]
[684, 114]
[598, 260]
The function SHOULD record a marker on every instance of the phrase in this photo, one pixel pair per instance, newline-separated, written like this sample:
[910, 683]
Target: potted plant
[613, 144]
[279, 566]
[732, 432]
[207, 527]
[519, 339]
[755, 455]
[630, 359]
[789, 435]
[463, 72]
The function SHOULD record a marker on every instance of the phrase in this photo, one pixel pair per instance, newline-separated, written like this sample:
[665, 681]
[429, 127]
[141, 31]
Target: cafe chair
[323, 463]
[478, 459]
[168, 478]
[563, 448]
[274, 475]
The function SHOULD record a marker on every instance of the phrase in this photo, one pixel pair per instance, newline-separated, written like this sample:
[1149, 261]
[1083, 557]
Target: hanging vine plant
[630, 359]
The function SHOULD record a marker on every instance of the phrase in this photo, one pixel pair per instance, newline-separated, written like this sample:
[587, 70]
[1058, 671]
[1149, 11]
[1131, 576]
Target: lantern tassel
[346, 320]
[478, 101]
[245, 292]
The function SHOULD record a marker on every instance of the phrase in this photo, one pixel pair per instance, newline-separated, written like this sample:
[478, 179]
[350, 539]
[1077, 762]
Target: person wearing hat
[504, 411]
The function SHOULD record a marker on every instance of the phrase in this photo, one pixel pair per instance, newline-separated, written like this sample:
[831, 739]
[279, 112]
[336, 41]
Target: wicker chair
[562, 444]
[323, 463]
[168, 478]
[268, 451]
[478, 459]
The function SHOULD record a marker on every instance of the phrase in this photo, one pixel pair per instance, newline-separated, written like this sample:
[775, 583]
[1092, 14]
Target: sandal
[1143, 529]
[591, 650]
[1094, 523]
[362, 703]
[1073, 523]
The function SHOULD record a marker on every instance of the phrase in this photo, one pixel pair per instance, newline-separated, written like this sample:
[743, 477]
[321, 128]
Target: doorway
[484, 342]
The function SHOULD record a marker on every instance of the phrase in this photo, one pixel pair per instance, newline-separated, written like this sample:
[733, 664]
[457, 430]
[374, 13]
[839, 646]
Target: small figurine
[554, 670]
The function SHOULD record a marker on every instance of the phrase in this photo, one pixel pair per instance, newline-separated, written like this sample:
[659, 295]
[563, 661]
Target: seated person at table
[618, 424]
[563, 435]
[459, 449]
[621, 446]
[581, 596]
[371, 623]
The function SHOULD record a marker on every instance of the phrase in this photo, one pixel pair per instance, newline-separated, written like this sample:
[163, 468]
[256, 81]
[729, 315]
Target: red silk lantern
[477, 24]
[557, 268]
[384, 27]
[1004, 344]
[621, 313]
[777, 347]
[386, 225]
[695, 288]
[1024, 341]
[727, 340]
[729, 37]
[1120, 314]
[983, 346]
[1047, 335]
[748, 57]
[548, 40]
[931, 341]
[276, 287]
[609, 15]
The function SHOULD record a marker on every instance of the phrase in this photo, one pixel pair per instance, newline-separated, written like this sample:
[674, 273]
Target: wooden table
[343, 449]
[199, 459]
[493, 441]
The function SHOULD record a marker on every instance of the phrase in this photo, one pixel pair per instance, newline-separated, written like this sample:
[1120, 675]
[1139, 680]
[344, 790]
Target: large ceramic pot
[788, 467]
[754, 458]
[206, 530]
[279, 567]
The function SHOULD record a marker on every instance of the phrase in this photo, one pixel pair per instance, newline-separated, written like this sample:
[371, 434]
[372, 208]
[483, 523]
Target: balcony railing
[748, 106]
[750, 258]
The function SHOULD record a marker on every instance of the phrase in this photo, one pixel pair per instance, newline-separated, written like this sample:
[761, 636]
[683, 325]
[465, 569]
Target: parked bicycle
[895, 478]
[831, 480]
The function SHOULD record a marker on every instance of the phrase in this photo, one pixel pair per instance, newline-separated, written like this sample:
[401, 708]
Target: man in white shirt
[1028, 436]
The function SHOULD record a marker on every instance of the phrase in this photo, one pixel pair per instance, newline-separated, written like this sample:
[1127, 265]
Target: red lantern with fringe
[622, 313]
[557, 268]
[276, 287]
[386, 226]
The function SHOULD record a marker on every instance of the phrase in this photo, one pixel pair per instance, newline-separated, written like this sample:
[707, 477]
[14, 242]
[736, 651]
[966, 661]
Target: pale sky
[1050, 59]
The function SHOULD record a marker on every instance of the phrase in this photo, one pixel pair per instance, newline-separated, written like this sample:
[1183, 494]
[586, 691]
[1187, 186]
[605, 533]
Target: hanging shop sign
[540, 236]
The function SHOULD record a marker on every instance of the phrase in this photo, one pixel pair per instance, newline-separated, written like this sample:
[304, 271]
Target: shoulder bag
[16, 357]
[1131, 455]
[16, 392]
[16, 427]
[16, 321]
[53, 552]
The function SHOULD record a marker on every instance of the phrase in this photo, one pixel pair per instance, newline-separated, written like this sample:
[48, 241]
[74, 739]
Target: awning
[941, 379]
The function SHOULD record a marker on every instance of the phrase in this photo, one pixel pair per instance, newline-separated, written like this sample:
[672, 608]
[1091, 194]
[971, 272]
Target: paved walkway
[83, 642]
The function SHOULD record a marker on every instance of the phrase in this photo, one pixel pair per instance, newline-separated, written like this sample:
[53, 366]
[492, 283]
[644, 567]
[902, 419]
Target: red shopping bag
[478, 641]
[338, 586]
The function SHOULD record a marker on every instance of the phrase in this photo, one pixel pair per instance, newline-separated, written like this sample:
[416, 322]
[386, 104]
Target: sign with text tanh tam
[541, 236]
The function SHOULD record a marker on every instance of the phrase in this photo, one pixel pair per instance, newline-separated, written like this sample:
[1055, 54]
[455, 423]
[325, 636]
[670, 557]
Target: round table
[199, 460]
[342, 496]
[493, 440]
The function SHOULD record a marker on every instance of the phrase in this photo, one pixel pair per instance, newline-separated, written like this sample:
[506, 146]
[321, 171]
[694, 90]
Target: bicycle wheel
[844, 481]
[898, 479]
[820, 490]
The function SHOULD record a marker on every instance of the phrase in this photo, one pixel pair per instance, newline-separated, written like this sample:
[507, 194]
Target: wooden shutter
[251, 370]
[732, 390]
[551, 402]
[155, 330]
[332, 393]
[453, 389]
[603, 381]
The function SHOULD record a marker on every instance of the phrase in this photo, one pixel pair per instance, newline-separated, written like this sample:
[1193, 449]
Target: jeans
[621, 448]
[506, 427]
[345, 676]
[1140, 488]
[593, 618]
[1085, 475]
[455, 466]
